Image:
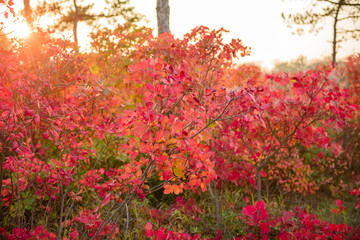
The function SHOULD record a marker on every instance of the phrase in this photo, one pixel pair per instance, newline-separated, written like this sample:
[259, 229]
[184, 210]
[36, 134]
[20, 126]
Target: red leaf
[320, 155]
[150, 87]
[338, 203]
[248, 210]
[39, 179]
[45, 134]
[262, 214]
[74, 234]
[277, 79]
[84, 219]
[287, 217]
[55, 134]
[297, 85]
[15, 145]
[264, 228]
[354, 107]
[149, 104]
[29, 112]
[159, 135]
[5, 92]
[38, 229]
[260, 205]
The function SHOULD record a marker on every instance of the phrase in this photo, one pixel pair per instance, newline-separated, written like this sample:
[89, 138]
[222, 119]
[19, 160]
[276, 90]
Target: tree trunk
[334, 43]
[216, 205]
[163, 15]
[76, 20]
[27, 12]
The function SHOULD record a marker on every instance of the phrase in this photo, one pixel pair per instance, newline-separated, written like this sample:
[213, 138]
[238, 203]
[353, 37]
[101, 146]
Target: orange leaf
[168, 189]
[158, 66]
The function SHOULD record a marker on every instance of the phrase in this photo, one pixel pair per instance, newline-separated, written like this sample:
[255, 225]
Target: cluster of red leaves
[58, 119]
[49, 119]
[298, 224]
[293, 225]
[339, 207]
[186, 207]
[287, 112]
[161, 234]
[351, 73]
[244, 76]
[356, 192]
[18, 233]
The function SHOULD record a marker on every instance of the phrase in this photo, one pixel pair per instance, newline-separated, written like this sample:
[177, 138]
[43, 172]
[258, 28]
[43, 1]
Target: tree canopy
[345, 15]
[68, 13]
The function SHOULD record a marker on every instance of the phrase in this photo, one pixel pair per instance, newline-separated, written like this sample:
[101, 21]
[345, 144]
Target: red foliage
[293, 225]
[77, 149]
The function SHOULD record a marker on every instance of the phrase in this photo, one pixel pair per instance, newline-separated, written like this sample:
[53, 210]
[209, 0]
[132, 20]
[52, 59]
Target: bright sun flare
[19, 30]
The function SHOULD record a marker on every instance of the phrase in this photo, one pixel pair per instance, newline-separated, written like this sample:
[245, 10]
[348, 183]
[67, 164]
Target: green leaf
[28, 202]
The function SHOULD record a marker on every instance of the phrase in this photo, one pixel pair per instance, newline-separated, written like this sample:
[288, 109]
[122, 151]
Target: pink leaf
[148, 226]
[106, 200]
[148, 231]
[37, 118]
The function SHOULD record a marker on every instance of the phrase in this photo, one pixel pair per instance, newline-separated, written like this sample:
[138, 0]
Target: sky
[258, 23]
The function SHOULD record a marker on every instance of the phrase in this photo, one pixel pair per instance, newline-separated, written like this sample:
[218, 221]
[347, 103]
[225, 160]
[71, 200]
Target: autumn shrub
[59, 118]
[47, 134]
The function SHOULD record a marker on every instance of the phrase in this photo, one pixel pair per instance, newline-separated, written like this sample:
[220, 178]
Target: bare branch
[344, 4]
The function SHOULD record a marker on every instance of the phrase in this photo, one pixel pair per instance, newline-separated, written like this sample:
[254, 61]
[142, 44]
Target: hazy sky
[257, 23]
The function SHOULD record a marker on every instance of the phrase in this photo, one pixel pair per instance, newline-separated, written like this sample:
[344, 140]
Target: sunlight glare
[21, 30]
[17, 28]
